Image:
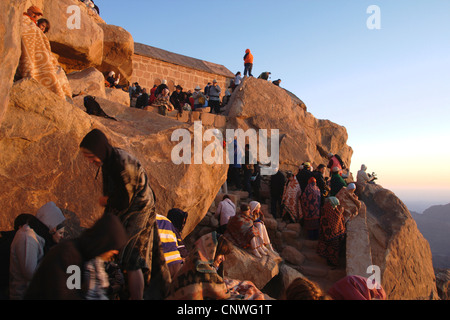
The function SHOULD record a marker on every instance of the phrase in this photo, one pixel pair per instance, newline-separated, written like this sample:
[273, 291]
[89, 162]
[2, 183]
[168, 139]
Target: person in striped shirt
[169, 242]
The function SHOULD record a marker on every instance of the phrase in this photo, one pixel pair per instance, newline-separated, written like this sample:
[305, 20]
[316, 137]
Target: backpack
[340, 161]
[93, 108]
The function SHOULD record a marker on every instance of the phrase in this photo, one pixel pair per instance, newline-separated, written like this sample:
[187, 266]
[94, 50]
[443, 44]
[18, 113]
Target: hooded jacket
[51, 278]
[248, 58]
[131, 199]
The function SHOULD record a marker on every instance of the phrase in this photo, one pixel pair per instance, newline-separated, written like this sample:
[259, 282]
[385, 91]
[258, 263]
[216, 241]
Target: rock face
[118, 49]
[397, 247]
[10, 47]
[76, 39]
[358, 250]
[40, 158]
[89, 81]
[259, 104]
[242, 265]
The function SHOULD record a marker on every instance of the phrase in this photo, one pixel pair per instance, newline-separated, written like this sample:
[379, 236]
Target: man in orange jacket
[248, 63]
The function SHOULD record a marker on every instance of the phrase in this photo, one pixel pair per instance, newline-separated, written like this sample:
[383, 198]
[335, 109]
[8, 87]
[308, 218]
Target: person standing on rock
[277, 182]
[332, 231]
[128, 195]
[336, 182]
[214, 97]
[310, 201]
[248, 63]
[318, 174]
[292, 211]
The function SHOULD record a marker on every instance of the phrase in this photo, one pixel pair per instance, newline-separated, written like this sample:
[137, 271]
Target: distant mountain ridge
[434, 224]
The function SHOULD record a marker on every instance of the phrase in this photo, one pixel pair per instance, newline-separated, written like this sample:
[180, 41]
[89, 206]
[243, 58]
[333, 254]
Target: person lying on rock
[243, 233]
[128, 195]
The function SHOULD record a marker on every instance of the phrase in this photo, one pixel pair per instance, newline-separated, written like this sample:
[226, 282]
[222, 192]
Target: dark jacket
[51, 278]
[277, 182]
[303, 177]
[142, 101]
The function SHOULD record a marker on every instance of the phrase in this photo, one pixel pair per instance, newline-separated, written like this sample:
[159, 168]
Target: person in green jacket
[336, 182]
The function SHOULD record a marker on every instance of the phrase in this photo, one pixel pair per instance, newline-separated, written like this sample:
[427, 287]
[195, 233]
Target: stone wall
[149, 71]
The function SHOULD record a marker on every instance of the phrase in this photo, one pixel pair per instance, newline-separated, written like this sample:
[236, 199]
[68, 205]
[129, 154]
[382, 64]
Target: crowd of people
[160, 97]
[210, 99]
[133, 252]
[320, 199]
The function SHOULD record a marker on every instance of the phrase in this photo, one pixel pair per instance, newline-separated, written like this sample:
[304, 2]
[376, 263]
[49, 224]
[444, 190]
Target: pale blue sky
[390, 87]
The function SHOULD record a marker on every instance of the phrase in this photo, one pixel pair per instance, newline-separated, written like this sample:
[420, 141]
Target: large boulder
[397, 247]
[118, 50]
[40, 159]
[10, 47]
[259, 104]
[76, 48]
[242, 265]
[89, 81]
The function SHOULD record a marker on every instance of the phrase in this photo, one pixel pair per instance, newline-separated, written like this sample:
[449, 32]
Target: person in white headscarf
[113, 82]
[363, 177]
[255, 211]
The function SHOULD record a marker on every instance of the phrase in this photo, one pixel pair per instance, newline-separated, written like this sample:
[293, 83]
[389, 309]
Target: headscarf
[178, 218]
[333, 201]
[96, 142]
[312, 180]
[254, 205]
[351, 186]
[356, 288]
[50, 215]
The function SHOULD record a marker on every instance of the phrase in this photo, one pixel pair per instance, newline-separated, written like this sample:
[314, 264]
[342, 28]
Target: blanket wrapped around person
[201, 276]
[38, 62]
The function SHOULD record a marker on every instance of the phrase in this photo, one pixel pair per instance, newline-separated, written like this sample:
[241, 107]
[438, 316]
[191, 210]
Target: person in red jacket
[248, 63]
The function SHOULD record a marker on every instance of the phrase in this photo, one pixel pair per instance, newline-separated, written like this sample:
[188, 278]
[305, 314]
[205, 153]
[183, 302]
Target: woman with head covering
[310, 201]
[199, 278]
[128, 195]
[349, 201]
[357, 288]
[292, 210]
[243, 233]
[257, 214]
[87, 253]
[332, 231]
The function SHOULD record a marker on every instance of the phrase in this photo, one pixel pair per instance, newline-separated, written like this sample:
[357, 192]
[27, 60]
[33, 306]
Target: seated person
[112, 81]
[201, 276]
[242, 232]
